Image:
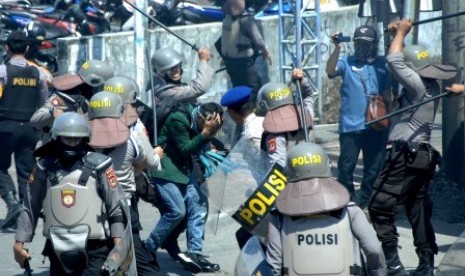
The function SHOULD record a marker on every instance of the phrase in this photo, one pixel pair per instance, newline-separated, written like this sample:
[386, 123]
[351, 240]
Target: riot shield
[246, 191]
[122, 259]
[251, 260]
[453, 263]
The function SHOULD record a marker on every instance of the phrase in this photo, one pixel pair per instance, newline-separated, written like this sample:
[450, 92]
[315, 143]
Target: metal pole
[435, 19]
[298, 53]
[453, 119]
[402, 110]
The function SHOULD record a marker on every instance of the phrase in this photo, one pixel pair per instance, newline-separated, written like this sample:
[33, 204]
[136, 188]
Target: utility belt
[420, 156]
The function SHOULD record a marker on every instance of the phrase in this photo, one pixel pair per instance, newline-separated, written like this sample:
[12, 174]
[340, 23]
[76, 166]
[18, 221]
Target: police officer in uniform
[113, 138]
[240, 108]
[410, 159]
[283, 119]
[22, 91]
[241, 41]
[72, 186]
[315, 229]
[72, 93]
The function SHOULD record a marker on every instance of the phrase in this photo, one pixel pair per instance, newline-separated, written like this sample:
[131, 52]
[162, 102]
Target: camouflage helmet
[307, 160]
[70, 124]
[164, 59]
[273, 95]
[95, 72]
[126, 87]
[105, 104]
[416, 57]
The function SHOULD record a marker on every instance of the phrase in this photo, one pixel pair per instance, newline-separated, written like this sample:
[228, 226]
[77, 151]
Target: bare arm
[331, 64]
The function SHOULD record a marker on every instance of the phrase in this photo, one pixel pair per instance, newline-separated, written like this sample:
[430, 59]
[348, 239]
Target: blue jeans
[179, 200]
[372, 144]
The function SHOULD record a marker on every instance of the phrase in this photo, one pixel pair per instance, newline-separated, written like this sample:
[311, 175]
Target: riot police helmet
[273, 95]
[164, 59]
[124, 86]
[71, 124]
[105, 104]
[306, 161]
[419, 59]
[95, 72]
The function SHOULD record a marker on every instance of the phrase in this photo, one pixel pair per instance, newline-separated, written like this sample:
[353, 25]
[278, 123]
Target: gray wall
[118, 49]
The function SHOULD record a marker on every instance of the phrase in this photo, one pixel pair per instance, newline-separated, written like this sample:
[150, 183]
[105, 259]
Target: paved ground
[222, 247]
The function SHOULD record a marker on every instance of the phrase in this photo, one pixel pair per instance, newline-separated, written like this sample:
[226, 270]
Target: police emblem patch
[111, 177]
[68, 198]
[271, 142]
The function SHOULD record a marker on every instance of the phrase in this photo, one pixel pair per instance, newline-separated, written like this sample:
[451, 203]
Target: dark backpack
[163, 106]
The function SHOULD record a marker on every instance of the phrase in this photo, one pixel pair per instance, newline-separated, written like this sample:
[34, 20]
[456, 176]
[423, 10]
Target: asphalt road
[222, 247]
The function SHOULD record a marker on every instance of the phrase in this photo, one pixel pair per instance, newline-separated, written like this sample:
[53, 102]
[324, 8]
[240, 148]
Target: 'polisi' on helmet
[126, 87]
[307, 160]
[105, 105]
[95, 72]
[164, 59]
[70, 124]
[417, 57]
[273, 95]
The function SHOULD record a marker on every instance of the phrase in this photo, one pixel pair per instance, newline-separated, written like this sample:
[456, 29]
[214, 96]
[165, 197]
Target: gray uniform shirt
[152, 160]
[361, 229]
[240, 31]
[415, 125]
[199, 85]
[37, 190]
[124, 156]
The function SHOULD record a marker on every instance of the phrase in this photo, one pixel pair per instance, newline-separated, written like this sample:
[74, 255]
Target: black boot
[394, 265]
[14, 209]
[426, 265]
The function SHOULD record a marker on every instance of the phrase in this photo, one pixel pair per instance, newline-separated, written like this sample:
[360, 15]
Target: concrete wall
[118, 49]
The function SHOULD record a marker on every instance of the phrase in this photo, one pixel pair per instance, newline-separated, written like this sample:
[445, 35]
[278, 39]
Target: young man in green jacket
[186, 131]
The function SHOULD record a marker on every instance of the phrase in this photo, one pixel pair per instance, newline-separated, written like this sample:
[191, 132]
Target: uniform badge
[32, 176]
[271, 142]
[68, 198]
[57, 101]
[111, 177]
[1, 91]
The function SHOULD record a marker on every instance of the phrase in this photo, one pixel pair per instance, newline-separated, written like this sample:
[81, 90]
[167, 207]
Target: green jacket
[180, 142]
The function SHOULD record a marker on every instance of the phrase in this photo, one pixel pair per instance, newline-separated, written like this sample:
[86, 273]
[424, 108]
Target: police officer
[410, 159]
[240, 108]
[241, 42]
[315, 229]
[167, 64]
[72, 186]
[22, 91]
[112, 137]
[283, 120]
[72, 92]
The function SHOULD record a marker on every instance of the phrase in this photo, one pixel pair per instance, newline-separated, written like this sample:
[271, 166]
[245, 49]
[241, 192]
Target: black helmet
[35, 32]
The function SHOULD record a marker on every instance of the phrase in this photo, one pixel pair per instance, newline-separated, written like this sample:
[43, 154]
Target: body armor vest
[234, 41]
[319, 245]
[69, 204]
[20, 95]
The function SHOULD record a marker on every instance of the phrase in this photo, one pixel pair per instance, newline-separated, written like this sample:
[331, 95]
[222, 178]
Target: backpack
[163, 106]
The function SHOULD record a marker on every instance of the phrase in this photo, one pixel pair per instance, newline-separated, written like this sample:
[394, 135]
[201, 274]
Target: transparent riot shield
[244, 188]
[121, 260]
[251, 260]
[453, 263]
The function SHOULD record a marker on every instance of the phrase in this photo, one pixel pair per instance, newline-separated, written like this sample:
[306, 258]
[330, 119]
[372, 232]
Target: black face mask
[365, 52]
[68, 155]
